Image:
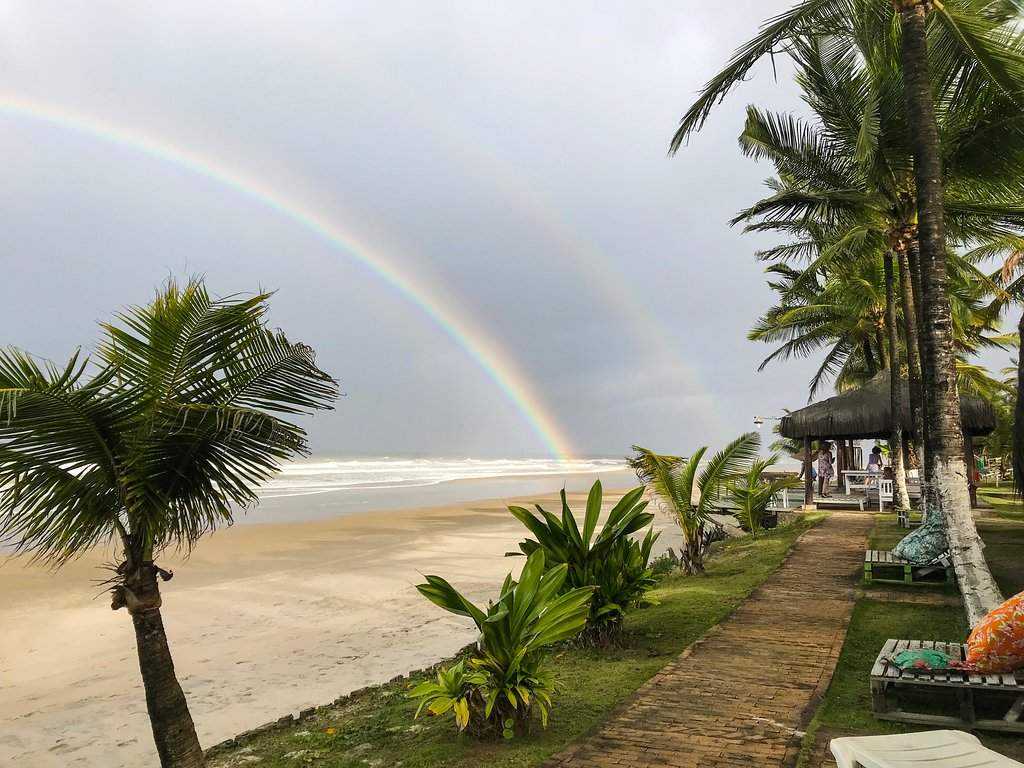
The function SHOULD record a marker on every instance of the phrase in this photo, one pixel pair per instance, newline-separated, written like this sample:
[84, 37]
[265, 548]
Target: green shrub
[504, 679]
[752, 493]
[613, 562]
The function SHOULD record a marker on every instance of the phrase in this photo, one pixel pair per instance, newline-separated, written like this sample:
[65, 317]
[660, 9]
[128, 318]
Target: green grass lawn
[377, 727]
[846, 708]
[1004, 503]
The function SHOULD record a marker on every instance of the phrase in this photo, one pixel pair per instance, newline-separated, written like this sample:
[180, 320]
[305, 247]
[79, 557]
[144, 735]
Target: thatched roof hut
[864, 413]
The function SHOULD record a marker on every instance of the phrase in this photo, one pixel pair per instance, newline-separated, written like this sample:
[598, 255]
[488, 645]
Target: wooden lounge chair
[988, 702]
[931, 749]
[883, 566]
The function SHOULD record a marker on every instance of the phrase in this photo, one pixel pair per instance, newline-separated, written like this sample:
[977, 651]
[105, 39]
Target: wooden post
[972, 489]
[840, 460]
[808, 480]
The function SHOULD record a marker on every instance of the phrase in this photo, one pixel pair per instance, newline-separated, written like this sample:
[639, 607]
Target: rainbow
[495, 361]
[603, 274]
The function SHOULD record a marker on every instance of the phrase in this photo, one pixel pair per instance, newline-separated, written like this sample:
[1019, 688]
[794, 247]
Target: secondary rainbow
[485, 351]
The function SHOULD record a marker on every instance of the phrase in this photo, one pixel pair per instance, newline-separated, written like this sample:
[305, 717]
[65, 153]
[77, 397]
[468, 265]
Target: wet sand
[263, 620]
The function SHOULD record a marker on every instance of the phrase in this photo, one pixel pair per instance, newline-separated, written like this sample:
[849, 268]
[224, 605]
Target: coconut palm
[848, 175]
[851, 175]
[838, 312]
[675, 481]
[958, 49]
[155, 444]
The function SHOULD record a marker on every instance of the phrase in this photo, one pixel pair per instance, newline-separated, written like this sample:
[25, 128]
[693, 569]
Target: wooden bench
[883, 566]
[840, 501]
[904, 521]
[988, 702]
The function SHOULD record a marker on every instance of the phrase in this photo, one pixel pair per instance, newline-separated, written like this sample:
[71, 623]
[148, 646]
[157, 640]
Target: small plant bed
[376, 727]
[991, 702]
[846, 709]
[881, 565]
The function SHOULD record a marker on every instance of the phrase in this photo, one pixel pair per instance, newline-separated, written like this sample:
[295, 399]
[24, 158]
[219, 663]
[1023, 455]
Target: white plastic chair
[885, 493]
[930, 749]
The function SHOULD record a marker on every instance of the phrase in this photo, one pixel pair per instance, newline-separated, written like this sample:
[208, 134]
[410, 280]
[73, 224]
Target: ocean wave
[317, 476]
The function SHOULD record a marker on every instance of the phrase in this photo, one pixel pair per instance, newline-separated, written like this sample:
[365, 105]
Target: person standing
[825, 470]
[875, 460]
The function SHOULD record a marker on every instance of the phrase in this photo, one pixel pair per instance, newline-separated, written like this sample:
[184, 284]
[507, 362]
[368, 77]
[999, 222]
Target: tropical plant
[152, 447]
[752, 493]
[450, 691]
[675, 482]
[505, 679]
[612, 561]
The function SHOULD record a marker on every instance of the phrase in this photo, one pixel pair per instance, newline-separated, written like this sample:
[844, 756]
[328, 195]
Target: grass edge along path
[374, 726]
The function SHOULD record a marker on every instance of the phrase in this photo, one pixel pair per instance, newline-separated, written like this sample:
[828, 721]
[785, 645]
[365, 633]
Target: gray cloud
[512, 156]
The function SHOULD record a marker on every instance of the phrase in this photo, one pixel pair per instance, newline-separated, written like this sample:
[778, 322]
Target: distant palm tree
[675, 481]
[960, 48]
[150, 450]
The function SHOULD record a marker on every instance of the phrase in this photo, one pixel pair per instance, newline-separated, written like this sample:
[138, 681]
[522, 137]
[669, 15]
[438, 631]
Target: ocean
[322, 487]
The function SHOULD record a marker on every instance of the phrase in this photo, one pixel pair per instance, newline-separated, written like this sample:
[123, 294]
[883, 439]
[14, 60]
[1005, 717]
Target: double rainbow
[495, 361]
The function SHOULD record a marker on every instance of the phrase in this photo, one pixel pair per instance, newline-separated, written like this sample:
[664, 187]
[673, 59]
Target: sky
[467, 209]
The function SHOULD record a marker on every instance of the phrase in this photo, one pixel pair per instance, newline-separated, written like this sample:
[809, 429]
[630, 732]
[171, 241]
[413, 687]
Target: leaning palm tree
[957, 49]
[156, 444]
[675, 481]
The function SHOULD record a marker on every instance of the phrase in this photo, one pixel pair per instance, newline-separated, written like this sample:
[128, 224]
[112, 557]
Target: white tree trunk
[901, 496]
[947, 493]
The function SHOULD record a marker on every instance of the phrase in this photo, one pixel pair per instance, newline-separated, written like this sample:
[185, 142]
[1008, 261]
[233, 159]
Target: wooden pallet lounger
[881, 565]
[988, 702]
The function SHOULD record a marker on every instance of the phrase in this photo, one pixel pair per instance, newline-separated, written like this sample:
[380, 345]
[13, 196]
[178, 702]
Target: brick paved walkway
[739, 697]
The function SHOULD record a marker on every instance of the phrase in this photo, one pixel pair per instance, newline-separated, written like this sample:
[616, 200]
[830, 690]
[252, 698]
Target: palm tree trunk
[692, 552]
[914, 264]
[808, 479]
[901, 498]
[1018, 420]
[910, 336]
[944, 452]
[869, 358]
[884, 361]
[173, 729]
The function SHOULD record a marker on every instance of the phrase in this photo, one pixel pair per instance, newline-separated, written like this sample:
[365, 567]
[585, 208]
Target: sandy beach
[263, 619]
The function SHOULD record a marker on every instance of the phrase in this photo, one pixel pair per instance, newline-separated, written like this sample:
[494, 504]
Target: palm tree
[964, 48]
[840, 312]
[753, 493]
[155, 445]
[675, 481]
[850, 175]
